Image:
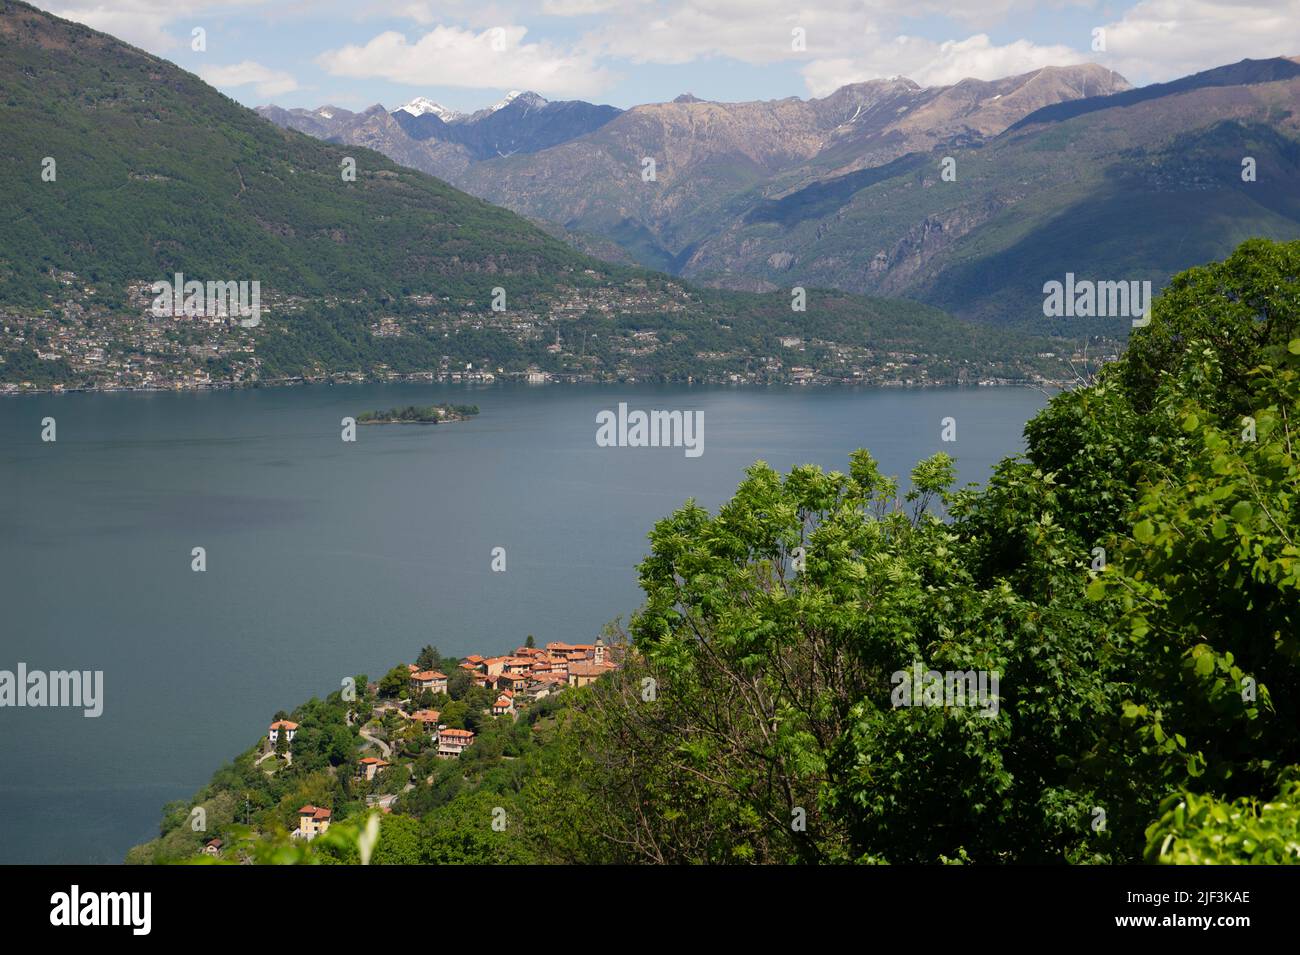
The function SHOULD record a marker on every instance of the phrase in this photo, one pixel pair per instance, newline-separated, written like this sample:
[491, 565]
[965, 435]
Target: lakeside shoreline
[9, 391]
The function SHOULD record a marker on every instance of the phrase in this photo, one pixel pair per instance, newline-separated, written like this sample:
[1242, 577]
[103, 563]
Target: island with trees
[419, 414]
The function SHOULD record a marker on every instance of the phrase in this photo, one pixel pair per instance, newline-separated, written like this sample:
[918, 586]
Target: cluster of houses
[523, 676]
[530, 673]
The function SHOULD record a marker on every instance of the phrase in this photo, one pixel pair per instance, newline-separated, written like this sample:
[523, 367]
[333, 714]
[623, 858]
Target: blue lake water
[326, 559]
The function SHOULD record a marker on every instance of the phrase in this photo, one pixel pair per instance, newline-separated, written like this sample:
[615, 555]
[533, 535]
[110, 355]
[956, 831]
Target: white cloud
[845, 40]
[852, 40]
[494, 58]
[937, 64]
[577, 8]
[1159, 40]
[759, 31]
[267, 81]
[145, 23]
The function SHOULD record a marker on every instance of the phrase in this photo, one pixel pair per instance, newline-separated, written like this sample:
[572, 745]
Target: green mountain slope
[157, 172]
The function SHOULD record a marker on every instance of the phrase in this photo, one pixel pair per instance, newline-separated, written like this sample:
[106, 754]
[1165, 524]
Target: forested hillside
[155, 172]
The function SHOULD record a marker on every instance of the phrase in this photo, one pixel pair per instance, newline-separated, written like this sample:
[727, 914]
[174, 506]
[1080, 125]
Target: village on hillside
[418, 708]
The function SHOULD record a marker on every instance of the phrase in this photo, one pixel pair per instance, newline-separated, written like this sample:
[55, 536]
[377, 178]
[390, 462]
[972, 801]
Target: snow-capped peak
[510, 98]
[529, 99]
[420, 105]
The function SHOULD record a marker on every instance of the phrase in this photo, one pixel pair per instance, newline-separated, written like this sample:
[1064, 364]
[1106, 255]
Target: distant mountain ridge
[715, 161]
[527, 123]
[576, 167]
[1245, 73]
[440, 141]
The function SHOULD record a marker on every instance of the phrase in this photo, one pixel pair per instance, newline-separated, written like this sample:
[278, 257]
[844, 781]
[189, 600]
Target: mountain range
[442, 142]
[119, 169]
[1065, 169]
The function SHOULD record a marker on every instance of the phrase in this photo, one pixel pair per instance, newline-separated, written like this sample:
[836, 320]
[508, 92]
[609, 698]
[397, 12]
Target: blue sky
[466, 54]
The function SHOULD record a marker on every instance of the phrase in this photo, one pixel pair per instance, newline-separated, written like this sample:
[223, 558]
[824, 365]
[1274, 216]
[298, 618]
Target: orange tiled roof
[284, 725]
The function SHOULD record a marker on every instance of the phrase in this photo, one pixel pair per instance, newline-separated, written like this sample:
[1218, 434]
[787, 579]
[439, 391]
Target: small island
[418, 414]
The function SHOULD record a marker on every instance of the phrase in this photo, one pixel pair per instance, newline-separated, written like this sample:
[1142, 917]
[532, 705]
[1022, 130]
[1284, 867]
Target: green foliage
[395, 682]
[1203, 830]
[463, 834]
[1237, 309]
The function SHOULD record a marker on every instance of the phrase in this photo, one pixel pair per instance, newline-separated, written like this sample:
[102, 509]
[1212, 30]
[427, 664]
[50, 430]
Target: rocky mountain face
[715, 161]
[579, 166]
[1135, 185]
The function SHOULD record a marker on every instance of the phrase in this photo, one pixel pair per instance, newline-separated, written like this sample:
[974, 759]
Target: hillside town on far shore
[76, 342]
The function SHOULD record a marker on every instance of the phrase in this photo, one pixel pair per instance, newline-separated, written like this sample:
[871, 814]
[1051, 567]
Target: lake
[327, 559]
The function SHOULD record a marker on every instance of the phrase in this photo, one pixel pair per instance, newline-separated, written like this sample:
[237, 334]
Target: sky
[466, 54]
